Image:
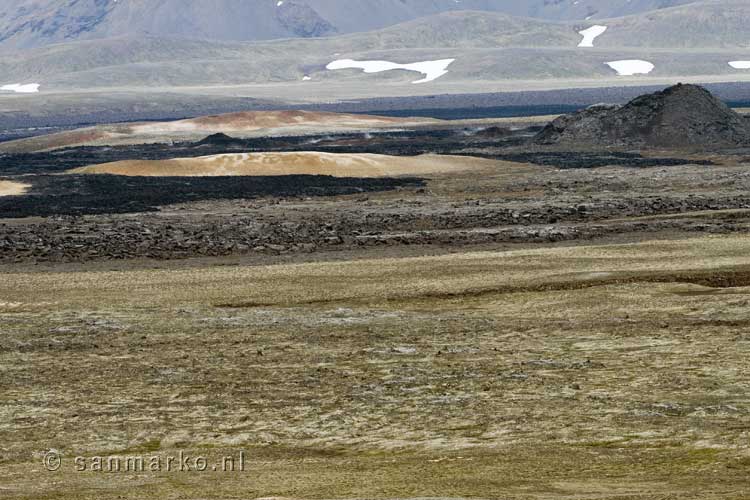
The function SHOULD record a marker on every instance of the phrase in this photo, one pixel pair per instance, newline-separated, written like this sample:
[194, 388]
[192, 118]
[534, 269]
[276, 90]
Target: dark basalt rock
[682, 116]
[52, 195]
[221, 140]
[303, 20]
[494, 132]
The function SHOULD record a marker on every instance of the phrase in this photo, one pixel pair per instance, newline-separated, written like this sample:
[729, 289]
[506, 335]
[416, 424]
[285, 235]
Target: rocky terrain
[681, 117]
[50, 195]
[460, 375]
[451, 334]
[522, 190]
[210, 255]
[509, 202]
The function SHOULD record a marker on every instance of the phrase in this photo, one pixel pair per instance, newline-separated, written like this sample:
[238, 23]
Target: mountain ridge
[485, 46]
[33, 23]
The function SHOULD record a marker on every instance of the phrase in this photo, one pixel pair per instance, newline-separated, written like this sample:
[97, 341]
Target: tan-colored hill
[241, 124]
[306, 163]
[8, 188]
[268, 120]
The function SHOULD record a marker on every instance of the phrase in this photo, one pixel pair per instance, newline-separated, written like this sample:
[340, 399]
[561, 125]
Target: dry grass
[600, 372]
[313, 163]
[384, 280]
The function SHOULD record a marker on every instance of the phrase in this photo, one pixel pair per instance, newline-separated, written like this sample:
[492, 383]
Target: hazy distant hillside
[173, 61]
[486, 47]
[576, 10]
[30, 23]
[363, 15]
[709, 24]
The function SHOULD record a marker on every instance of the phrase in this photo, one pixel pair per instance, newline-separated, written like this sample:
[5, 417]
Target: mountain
[34, 23]
[682, 116]
[459, 52]
[702, 25]
[483, 47]
[155, 61]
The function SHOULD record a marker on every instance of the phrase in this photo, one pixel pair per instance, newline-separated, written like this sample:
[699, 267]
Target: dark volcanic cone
[220, 139]
[682, 116]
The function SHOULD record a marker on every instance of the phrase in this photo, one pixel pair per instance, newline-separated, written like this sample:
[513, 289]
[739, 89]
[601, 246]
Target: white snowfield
[590, 34]
[630, 67]
[740, 64]
[29, 88]
[432, 70]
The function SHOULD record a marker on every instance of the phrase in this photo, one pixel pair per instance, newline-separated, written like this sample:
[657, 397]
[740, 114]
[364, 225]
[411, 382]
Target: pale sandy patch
[304, 163]
[8, 188]
[263, 120]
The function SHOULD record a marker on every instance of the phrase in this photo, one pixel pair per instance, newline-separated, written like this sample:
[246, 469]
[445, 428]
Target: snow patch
[740, 64]
[590, 34]
[432, 70]
[630, 67]
[29, 88]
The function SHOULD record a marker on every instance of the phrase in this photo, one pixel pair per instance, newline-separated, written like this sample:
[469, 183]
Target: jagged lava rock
[681, 116]
[220, 139]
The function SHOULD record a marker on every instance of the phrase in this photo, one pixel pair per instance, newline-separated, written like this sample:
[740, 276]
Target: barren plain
[597, 371]
[526, 323]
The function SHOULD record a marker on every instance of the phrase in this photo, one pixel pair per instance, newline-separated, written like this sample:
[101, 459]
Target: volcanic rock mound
[682, 116]
[222, 140]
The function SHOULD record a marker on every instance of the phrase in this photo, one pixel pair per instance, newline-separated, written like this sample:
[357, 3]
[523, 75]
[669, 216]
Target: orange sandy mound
[60, 140]
[8, 188]
[308, 163]
[248, 121]
[242, 124]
